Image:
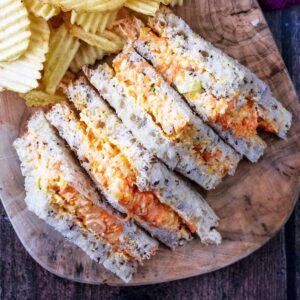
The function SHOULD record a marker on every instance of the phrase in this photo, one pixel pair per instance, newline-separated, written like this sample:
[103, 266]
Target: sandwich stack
[100, 168]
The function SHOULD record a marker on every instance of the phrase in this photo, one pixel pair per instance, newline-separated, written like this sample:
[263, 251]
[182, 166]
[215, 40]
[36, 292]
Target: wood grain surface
[251, 212]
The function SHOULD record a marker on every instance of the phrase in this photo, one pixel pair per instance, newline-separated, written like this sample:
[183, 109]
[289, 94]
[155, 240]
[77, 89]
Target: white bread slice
[224, 76]
[151, 173]
[178, 154]
[38, 150]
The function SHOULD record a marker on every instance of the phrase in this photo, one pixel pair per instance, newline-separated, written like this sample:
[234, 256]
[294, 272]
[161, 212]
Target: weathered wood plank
[285, 26]
[291, 54]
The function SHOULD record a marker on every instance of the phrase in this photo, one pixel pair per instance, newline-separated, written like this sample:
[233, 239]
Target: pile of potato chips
[46, 42]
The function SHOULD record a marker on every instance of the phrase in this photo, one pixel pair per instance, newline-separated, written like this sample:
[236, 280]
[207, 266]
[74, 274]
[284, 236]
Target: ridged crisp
[146, 7]
[14, 29]
[86, 55]
[93, 21]
[62, 49]
[106, 40]
[172, 2]
[40, 9]
[22, 75]
[40, 98]
[87, 5]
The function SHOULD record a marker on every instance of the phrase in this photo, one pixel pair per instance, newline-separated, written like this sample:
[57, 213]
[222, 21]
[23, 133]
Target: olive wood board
[252, 205]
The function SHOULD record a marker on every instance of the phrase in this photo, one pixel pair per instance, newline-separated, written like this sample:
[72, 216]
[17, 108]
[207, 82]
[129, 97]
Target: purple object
[277, 4]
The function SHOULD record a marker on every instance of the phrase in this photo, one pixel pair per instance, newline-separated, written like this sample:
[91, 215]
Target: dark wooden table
[273, 272]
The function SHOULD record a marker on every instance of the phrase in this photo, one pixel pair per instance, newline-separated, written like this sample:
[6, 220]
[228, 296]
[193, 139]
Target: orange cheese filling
[148, 95]
[164, 114]
[114, 172]
[243, 121]
[67, 200]
[213, 159]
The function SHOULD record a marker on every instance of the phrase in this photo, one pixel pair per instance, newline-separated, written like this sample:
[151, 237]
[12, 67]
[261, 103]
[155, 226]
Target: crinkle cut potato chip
[93, 22]
[22, 75]
[108, 41]
[14, 29]
[87, 5]
[86, 55]
[41, 98]
[62, 49]
[172, 2]
[40, 9]
[146, 7]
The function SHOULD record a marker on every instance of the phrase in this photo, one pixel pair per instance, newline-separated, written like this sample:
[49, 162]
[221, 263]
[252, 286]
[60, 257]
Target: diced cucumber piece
[189, 86]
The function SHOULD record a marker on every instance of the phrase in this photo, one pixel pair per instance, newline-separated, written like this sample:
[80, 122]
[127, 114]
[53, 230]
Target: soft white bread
[180, 154]
[39, 150]
[224, 76]
[151, 173]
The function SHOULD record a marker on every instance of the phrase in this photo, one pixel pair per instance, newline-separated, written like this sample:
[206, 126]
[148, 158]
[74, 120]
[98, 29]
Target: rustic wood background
[271, 273]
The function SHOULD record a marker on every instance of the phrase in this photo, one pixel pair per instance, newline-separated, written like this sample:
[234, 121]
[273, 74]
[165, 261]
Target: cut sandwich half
[115, 177]
[162, 121]
[132, 179]
[225, 94]
[59, 192]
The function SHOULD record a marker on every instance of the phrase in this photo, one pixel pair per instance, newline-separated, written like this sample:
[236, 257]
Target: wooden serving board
[252, 205]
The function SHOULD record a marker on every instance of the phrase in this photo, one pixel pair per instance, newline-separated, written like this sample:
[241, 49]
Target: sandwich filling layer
[51, 172]
[148, 173]
[225, 93]
[149, 92]
[65, 199]
[113, 171]
[188, 74]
